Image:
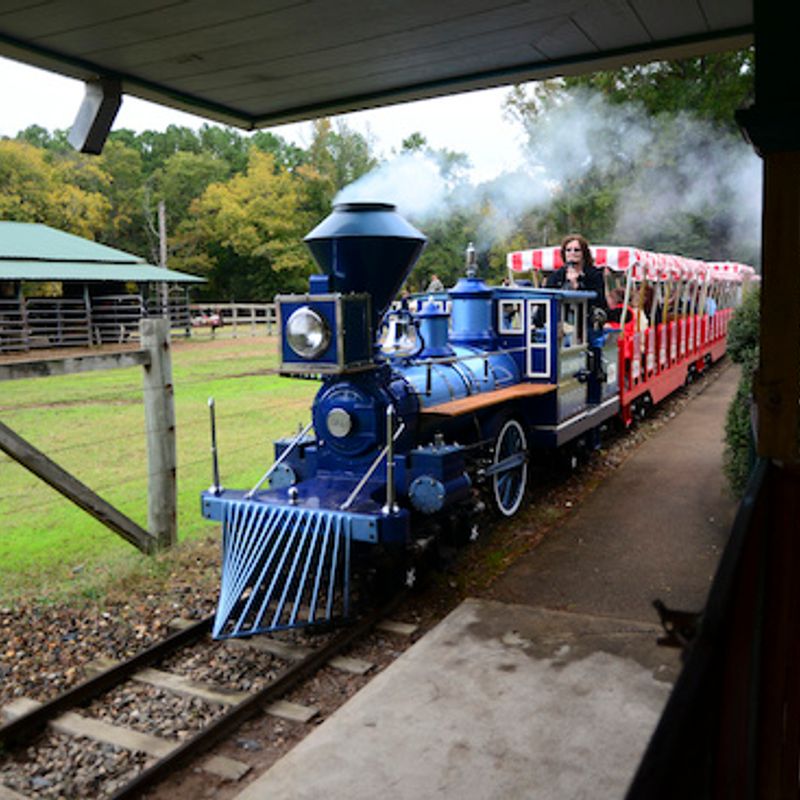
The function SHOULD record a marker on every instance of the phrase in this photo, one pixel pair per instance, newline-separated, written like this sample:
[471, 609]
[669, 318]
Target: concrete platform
[497, 702]
[553, 692]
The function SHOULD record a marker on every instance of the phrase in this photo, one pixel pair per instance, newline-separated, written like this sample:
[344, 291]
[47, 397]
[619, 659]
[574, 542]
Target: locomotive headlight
[307, 333]
[339, 422]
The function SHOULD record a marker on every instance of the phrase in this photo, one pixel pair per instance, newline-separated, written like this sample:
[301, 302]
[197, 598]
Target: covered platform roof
[34, 252]
[252, 63]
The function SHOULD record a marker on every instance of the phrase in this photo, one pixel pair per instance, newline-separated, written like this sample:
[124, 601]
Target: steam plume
[670, 168]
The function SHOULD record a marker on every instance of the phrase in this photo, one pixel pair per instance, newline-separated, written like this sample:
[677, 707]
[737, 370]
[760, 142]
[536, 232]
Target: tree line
[239, 205]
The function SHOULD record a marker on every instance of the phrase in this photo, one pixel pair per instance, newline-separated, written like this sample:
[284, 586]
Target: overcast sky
[470, 123]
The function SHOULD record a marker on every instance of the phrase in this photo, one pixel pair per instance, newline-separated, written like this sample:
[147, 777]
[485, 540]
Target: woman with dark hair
[579, 271]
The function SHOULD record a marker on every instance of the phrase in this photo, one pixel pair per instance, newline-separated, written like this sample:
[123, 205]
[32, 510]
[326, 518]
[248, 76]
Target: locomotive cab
[556, 341]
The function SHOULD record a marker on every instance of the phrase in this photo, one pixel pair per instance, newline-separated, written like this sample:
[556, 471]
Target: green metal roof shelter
[95, 304]
[34, 252]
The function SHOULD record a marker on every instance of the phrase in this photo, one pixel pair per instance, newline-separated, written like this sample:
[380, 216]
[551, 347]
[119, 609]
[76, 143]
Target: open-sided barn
[59, 290]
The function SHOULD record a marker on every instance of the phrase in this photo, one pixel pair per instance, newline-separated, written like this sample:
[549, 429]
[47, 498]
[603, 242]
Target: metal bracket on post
[96, 115]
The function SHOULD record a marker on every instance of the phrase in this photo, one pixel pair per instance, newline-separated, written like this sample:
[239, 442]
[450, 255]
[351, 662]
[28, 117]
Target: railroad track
[162, 756]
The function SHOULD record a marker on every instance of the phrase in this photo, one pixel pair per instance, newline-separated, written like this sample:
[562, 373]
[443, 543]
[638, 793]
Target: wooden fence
[35, 323]
[159, 406]
[235, 319]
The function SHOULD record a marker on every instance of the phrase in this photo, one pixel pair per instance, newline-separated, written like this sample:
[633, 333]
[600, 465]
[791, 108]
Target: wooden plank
[40, 465]
[400, 628]
[466, 405]
[285, 650]
[170, 682]
[227, 768]
[179, 684]
[293, 712]
[45, 367]
[73, 724]
[212, 694]
[355, 666]
[295, 652]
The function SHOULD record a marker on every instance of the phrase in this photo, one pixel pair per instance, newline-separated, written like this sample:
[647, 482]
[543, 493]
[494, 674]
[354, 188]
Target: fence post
[159, 416]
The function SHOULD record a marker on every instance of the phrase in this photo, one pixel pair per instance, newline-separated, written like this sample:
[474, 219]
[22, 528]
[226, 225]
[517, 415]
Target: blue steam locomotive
[420, 415]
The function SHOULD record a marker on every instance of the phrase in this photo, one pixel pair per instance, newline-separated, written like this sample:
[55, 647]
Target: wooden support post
[772, 125]
[159, 414]
[778, 380]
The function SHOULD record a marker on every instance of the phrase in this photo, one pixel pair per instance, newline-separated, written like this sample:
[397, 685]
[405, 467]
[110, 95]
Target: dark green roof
[33, 252]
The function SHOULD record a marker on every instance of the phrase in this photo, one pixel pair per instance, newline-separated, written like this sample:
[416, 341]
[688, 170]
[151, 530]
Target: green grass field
[93, 425]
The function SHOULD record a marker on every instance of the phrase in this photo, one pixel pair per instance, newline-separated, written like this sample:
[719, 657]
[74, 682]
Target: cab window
[573, 325]
[510, 312]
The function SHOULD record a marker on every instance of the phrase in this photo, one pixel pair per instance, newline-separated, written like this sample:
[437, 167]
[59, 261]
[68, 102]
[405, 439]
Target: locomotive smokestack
[366, 247]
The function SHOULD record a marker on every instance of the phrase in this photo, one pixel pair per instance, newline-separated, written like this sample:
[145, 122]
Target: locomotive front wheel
[510, 468]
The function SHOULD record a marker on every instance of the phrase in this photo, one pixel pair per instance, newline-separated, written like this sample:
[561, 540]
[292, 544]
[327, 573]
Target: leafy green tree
[658, 164]
[743, 337]
[182, 179]
[287, 156]
[34, 190]
[245, 234]
[444, 255]
[40, 137]
[414, 143]
[337, 156]
[126, 225]
[157, 146]
[711, 87]
[226, 145]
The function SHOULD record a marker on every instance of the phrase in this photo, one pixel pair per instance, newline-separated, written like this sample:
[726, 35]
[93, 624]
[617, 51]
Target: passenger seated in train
[616, 303]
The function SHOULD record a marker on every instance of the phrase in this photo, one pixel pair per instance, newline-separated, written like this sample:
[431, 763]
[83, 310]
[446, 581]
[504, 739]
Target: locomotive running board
[282, 568]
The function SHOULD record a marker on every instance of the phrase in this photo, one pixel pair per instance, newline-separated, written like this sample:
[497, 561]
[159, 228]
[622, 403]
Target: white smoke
[670, 167]
[706, 172]
[412, 181]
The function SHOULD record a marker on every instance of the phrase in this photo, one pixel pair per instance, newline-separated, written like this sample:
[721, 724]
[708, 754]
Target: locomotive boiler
[425, 413]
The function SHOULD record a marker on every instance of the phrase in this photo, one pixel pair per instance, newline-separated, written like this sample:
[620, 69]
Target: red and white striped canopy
[642, 263]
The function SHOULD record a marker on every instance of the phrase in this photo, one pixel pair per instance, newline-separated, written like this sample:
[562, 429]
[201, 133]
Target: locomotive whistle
[472, 261]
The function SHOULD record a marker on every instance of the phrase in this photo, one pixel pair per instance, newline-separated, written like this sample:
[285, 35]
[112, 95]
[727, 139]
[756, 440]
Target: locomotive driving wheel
[509, 468]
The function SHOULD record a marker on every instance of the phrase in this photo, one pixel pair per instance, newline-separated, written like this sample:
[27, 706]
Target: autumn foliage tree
[34, 188]
[245, 234]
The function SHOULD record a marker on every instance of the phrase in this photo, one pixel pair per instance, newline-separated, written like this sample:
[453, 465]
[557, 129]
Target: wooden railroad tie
[73, 724]
[285, 650]
[178, 684]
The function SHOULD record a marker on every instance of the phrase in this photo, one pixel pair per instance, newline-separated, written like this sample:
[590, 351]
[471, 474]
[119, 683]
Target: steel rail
[191, 748]
[28, 725]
